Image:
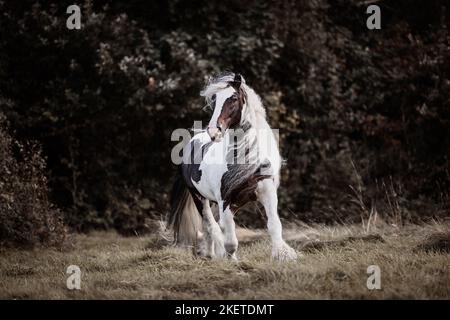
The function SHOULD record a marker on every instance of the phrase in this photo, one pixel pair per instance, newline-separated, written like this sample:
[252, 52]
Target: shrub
[27, 218]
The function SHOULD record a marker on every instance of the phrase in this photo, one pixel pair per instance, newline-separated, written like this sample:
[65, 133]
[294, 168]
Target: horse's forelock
[219, 82]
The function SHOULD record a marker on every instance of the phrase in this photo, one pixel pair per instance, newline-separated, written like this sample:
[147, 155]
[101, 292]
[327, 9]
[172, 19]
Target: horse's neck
[256, 135]
[260, 125]
[266, 142]
[260, 122]
[251, 126]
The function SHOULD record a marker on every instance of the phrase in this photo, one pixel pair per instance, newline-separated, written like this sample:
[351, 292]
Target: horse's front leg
[229, 229]
[267, 195]
[213, 235]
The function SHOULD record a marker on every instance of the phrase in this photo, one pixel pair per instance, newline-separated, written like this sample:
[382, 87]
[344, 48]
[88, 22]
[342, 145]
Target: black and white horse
[234, 161]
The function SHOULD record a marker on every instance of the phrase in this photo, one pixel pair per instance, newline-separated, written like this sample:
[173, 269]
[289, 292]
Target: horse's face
[228, 106]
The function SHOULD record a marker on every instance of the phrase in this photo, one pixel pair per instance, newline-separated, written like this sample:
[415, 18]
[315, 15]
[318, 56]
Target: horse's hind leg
[229, 229]
[214, 242]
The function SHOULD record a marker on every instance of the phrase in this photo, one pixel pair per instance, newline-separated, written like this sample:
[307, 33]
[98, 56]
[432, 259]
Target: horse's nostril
[220, 129]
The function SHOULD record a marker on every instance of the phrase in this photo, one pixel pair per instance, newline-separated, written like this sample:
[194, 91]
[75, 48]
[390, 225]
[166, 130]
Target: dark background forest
[86, 115]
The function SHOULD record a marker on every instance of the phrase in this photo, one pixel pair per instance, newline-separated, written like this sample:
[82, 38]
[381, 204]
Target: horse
[234, 161]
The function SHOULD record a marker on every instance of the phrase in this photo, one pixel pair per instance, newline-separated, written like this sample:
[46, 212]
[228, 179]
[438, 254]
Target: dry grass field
[414, 262]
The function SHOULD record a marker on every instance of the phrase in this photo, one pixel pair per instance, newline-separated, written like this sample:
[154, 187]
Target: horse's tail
[184, 217]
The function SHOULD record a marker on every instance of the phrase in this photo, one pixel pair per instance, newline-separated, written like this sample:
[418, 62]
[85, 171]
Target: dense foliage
[27, 216]
[363, 115]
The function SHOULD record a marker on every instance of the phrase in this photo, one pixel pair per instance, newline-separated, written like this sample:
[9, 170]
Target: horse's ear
[237, 81]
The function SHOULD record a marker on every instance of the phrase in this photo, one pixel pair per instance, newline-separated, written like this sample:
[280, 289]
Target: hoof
[284, 253]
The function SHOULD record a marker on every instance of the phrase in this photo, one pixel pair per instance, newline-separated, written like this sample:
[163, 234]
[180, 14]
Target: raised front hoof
[284, 253]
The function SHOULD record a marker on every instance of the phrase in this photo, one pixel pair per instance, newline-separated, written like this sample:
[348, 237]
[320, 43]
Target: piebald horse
[234, 161]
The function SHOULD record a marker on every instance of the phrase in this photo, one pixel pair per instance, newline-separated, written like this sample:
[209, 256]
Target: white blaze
[221, 97]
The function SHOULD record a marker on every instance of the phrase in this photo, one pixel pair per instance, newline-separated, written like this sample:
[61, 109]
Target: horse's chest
[203, 166]
[208, 171]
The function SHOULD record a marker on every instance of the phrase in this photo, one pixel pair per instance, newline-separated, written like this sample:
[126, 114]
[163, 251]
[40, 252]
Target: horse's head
[228, 104]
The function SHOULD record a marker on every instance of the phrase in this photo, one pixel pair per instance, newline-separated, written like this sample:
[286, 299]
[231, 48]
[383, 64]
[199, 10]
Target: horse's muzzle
[215, 133]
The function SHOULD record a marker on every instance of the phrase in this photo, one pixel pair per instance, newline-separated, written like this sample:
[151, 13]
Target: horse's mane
[221, 81]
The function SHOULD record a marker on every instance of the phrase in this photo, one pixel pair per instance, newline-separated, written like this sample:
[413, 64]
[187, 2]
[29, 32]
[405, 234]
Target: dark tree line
[363, 114]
